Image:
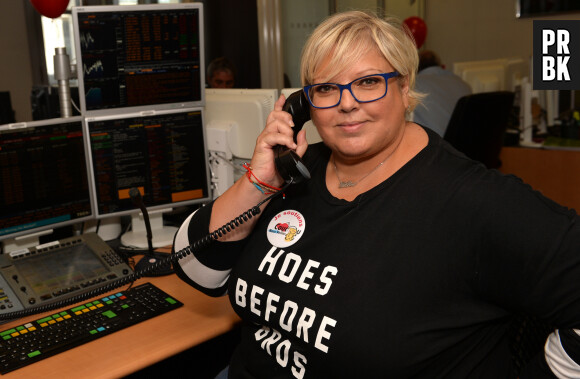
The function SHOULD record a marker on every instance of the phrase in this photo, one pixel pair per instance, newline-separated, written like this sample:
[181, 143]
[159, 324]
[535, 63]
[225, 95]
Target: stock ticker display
[140, 58]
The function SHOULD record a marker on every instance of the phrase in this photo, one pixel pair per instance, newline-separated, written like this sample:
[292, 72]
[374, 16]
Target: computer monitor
[44, 182]
[161, 153]
[245, 111]
[503, 74]
[516, 69]
[538, 8]
[482, 76]
[234, 120]
[132, 57]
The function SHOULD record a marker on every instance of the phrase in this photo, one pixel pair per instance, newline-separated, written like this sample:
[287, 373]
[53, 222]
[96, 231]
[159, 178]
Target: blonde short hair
[347, 36]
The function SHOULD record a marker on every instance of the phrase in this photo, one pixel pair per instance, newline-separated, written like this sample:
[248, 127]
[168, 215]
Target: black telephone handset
[288, 163]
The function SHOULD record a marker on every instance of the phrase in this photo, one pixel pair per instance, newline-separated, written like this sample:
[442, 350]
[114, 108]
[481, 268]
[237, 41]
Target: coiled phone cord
[172, 258]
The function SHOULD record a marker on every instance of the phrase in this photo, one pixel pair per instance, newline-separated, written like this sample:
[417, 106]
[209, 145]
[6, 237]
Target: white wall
[15, 68]
[458, 30]
[299, 19]
[465, 30]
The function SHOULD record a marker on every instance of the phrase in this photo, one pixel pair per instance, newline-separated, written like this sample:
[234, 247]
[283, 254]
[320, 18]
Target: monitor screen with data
[43, 176]
[133, 57]
[163, 154]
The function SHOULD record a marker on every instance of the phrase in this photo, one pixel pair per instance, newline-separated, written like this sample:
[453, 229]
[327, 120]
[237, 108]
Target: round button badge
[286, 228]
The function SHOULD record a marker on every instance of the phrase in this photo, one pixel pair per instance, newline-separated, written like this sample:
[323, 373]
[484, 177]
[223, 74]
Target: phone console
[57, 270]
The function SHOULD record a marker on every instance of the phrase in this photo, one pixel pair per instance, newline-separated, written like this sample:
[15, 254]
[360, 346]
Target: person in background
[442, 89]
[400, 257]
[221, 73]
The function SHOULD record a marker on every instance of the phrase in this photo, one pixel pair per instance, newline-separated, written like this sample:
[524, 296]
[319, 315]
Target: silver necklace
[350, 183]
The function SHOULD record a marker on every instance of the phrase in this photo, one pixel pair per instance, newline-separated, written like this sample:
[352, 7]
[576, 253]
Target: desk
[131, 349]
[555, 173]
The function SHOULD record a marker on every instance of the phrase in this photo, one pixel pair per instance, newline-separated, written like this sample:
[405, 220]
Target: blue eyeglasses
[365, 89]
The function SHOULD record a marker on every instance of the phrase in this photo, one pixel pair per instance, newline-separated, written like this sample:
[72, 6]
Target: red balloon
[50, 8]
[418, 29]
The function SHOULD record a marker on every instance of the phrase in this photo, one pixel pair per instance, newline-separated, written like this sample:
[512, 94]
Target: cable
[215, 155]
[170, 259]
[75, 106]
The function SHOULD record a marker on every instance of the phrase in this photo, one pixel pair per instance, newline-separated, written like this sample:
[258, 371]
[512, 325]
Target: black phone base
[150, 259]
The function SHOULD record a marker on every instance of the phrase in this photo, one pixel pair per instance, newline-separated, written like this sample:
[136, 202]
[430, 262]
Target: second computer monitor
[43, 179]
[242, 113]
[163, 154]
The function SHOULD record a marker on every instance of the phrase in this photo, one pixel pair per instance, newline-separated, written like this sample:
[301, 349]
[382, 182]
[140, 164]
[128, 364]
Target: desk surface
[131, 349]
[555, 173]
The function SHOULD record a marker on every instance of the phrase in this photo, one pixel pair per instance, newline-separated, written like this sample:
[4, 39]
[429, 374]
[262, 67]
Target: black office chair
[478, 124]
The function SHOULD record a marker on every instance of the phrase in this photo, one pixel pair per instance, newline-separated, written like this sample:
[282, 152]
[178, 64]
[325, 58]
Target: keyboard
[31, 342]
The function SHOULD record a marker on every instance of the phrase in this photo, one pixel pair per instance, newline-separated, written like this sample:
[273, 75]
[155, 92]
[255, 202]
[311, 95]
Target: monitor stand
[107, 228]
[16, 244]
[137, 237]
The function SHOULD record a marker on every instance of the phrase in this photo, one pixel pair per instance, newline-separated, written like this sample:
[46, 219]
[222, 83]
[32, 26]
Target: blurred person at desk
[442, 89]
[221, 73]
[399, 257]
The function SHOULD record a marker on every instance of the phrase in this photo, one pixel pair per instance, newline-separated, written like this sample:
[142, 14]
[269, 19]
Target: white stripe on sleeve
[559, 362]
[194, 269]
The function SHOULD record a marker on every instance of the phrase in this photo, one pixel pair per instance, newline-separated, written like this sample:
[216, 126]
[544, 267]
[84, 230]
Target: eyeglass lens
[365, 89]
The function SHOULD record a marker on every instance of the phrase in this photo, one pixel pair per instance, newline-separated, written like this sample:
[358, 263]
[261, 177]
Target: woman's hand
[278, 131]
[242, 195]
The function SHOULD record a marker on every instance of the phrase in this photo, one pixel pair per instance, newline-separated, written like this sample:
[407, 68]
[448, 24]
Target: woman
[400, 257]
